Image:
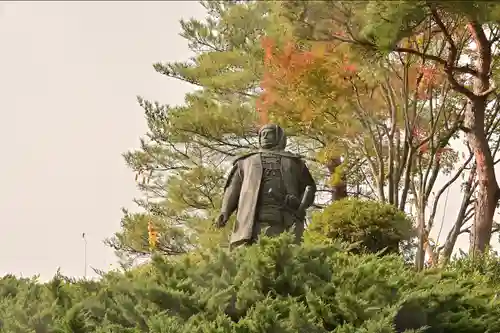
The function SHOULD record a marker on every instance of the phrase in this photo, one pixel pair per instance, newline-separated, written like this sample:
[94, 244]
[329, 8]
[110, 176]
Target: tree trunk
[420, 255]
[487, 189]
[451, 239]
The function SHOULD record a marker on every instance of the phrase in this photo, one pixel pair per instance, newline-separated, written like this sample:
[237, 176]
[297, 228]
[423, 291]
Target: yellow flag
[152, 236]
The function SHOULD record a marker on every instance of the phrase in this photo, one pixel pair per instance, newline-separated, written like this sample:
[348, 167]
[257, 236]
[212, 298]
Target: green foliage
[274, 286]
[185, 154]
[182, 161]
[485, 266]
[133, 237]
[387, 22]
[367, 225]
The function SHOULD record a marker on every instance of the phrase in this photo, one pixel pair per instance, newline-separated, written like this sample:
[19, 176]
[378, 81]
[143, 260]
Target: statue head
[272, 137]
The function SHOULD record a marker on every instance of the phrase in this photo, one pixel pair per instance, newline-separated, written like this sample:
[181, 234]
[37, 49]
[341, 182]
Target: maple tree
[326, 91]
[386, 30]
[464, 31]
[290, 66]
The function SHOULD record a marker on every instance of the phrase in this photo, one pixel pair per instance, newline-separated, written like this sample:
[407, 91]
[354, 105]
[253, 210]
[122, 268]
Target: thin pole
[84, 255]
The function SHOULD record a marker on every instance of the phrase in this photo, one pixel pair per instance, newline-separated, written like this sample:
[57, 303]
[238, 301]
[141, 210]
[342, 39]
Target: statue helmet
[279, 137]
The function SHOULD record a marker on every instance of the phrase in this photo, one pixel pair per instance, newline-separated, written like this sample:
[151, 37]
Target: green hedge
[372, 226]
[272, 287]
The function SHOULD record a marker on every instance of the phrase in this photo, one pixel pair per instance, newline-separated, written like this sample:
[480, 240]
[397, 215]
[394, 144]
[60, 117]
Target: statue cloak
[243, 187]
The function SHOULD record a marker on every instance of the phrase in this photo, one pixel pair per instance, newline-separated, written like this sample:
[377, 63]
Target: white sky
[69, 76]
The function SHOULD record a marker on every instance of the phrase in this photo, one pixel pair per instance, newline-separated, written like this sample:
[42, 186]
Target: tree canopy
[362, 92]
[456, 42]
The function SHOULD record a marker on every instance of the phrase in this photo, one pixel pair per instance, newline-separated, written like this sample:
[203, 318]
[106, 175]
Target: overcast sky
[69, 76]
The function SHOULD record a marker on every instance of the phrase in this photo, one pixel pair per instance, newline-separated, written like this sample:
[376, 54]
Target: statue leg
[295, 225]
[267, 228]
[236, 245]
[298, 230]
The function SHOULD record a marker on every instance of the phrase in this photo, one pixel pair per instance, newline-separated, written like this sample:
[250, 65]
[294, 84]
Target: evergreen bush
[369, 226]
[274, 286]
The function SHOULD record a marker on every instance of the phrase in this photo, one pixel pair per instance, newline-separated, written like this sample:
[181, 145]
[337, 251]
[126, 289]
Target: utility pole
[84, 256]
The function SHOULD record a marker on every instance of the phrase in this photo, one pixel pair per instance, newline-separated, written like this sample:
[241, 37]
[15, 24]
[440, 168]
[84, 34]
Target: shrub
[272, 287]
[482, 266]
[372, 226]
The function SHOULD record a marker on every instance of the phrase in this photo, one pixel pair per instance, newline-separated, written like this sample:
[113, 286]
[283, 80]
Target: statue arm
[232, 191]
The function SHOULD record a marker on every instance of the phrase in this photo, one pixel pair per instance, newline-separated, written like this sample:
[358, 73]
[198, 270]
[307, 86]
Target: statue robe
[242, 191]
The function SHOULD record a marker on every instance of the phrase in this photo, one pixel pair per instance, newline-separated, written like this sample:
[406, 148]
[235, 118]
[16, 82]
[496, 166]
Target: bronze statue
[270, 189]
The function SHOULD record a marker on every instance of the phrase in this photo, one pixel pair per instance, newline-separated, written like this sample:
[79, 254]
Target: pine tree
[182, 161]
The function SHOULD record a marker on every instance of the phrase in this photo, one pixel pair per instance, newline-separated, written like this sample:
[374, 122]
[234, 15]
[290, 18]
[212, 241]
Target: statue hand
[221, 221]
[292, 201]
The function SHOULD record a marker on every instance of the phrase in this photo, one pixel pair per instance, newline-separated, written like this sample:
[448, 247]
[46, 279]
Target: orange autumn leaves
[420, 136]
[318, 85]
[425, 79]
[431, 78]
[301, 84]
[281, 70]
